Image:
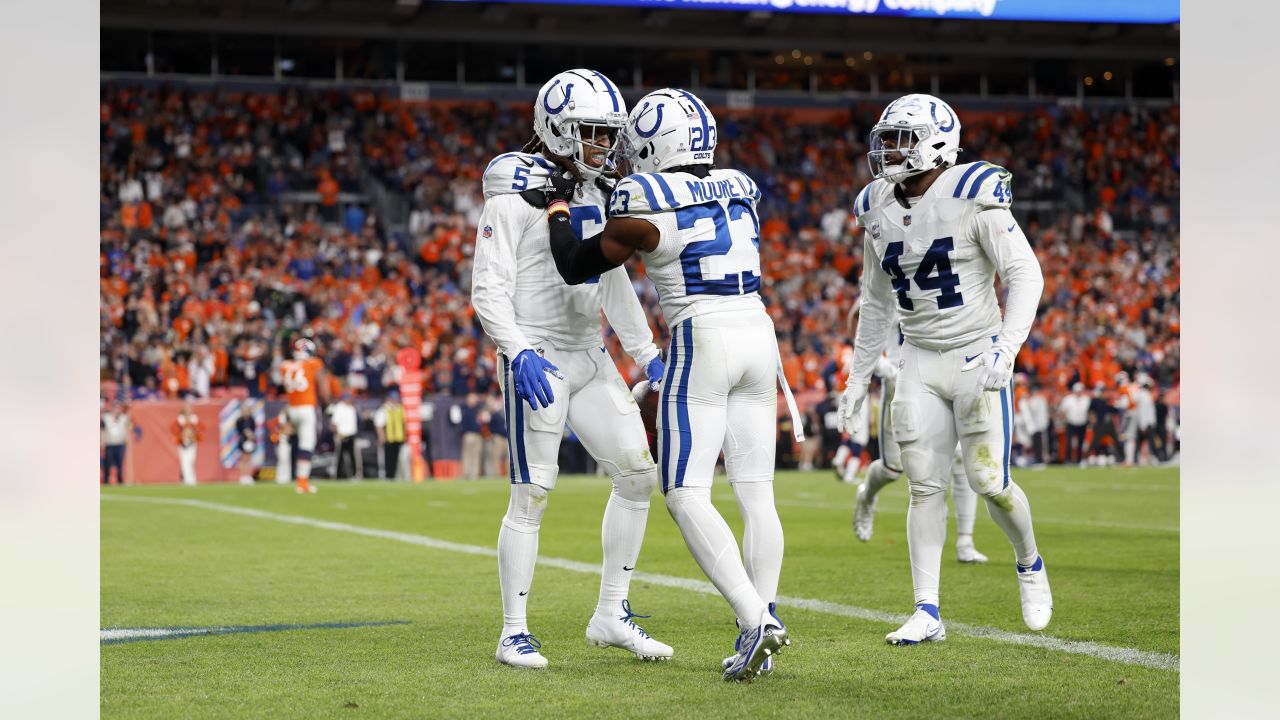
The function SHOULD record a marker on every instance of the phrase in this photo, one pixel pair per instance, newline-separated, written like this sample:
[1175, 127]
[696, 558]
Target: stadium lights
[795, 54]
[1169, 61]
[866, 55]
[1088, 79]
[850, 61]
[808, 59]
[1106, 75]
[779, 59]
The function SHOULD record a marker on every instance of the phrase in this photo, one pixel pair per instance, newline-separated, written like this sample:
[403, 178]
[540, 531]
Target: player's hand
[654, 371]
[855, 393]
[885, 369]
[995, 368]
[560, 187]
[530, 372]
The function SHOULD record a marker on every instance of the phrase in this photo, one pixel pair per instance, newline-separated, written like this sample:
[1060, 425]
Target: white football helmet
[923, 129]
[575, 103]
[668, 128]
[303, 348]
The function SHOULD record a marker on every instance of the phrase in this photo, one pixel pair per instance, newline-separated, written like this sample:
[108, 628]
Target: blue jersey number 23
[733, 280]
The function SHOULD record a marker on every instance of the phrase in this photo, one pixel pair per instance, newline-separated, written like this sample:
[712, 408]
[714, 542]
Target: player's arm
[1019, 269]
[580, 259]
[875, 315]
[322, 385]
[627, 318]
[493, 280]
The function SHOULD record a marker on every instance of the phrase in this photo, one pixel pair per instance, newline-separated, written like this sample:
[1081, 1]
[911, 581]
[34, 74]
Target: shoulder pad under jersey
[516, 172]
[871, 197]
[647, 193]
[988, 185]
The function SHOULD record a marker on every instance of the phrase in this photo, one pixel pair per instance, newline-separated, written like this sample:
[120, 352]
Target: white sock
[621, 534]
[761, 536]
[926, 534]
[842, 454]
[1011, 511]
[965, 500]
[851, 467]
[878, 475]
[714, 548]
[518, 553]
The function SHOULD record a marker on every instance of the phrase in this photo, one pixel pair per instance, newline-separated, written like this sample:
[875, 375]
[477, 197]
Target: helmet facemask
[598, 139]
[898, 152]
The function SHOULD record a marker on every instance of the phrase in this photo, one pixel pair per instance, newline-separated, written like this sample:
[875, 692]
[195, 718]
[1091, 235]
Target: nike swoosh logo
[527, 163]
[526, 592]
[628, 569]
[1011, 227]
[970, 359]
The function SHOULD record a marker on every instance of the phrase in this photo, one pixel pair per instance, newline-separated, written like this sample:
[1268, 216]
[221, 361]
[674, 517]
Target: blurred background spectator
[232, 220]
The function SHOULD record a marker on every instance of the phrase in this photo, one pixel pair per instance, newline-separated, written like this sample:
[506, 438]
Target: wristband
[557, 207]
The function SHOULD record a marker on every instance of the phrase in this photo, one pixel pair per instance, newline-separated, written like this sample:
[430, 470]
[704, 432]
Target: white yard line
[847, 507]
[1127, 656]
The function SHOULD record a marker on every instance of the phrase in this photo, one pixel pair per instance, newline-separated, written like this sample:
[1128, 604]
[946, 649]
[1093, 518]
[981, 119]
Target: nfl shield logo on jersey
[875, 229]
[487, 232]
[906, 219]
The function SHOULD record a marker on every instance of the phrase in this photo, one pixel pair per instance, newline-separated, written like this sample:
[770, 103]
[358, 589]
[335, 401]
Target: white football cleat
[620, 631]
[756, 645]
[920, 627]
[864, 513]
[521, 650]
[1037, 600]
[967, 553]
[765, 669]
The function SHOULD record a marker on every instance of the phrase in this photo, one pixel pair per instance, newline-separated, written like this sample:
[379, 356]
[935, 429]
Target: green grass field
[1109, 538]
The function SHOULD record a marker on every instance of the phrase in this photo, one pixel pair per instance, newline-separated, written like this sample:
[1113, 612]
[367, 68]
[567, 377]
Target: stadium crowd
[231, 221]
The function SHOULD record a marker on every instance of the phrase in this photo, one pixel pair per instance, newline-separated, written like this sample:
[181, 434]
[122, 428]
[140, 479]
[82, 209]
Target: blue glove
[655, 370]
[530, 372]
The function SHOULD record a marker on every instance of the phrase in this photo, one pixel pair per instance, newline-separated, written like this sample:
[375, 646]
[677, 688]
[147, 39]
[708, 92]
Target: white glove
[995, 368]
[886, 370]
[851, 400]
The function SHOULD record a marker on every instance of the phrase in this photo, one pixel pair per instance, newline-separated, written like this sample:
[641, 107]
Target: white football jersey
[517, 293]
[708, 257]
[934, 264]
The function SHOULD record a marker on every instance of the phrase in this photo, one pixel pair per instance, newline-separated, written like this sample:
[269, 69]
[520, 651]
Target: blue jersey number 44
[933, 273]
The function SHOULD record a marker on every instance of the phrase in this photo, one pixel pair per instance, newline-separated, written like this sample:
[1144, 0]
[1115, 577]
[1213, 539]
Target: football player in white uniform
[937, 234]
[888, 466]
[554, 368]
[697, 230]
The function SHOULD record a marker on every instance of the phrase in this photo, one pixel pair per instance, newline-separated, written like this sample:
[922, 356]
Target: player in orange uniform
[303, 378]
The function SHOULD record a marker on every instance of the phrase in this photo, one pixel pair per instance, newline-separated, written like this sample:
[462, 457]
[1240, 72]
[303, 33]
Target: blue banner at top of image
[1118, 11]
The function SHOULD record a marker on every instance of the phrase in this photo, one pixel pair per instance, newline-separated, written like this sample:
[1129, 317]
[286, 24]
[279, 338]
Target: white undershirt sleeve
[626, 316]
[874, 317]
[493, 278]
[1006, 246]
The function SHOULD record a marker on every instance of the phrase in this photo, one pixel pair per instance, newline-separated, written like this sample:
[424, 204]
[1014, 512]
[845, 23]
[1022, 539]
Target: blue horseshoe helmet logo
[933, 110]
[657, 123]
[546, 105]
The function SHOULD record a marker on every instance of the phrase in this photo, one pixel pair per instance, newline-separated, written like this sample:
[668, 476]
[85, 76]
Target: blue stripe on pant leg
[682, 405]
[1006, 427]
[519, 434]
[664, 440]
[884, 413]
[509, 392]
